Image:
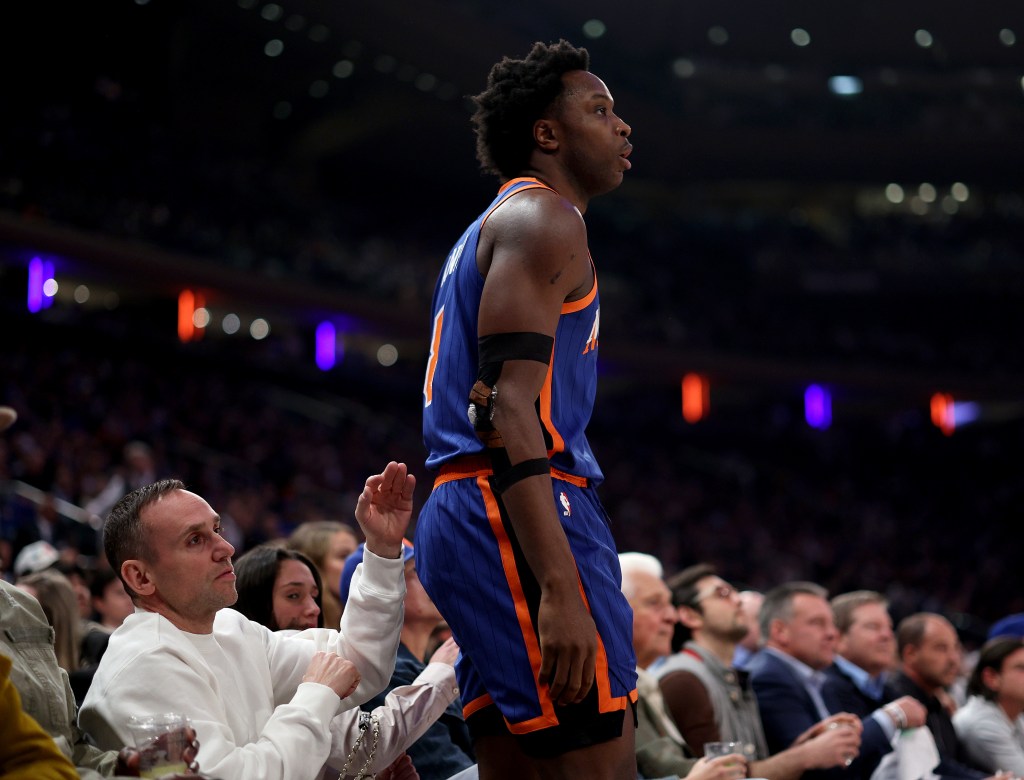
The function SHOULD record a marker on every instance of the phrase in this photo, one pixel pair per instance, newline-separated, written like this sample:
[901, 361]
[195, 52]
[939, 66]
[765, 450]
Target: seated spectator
[710, 701]
[990, 726]
[110, 601]
[660, 748]
[327, 543]
[789, 676]
[57, 598]
[27, 640]
[265, 704]
[929, 653]
[445, 747]
[111, 604]
[866, 653]
[750, 645]
[79, 579]
[26, 751]
[279, 588]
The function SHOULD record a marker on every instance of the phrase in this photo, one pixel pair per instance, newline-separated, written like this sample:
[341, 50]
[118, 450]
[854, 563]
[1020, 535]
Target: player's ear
[546, 135]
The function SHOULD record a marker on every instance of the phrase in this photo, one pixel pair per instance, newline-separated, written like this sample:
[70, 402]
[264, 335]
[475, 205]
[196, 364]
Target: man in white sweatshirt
[263, 704]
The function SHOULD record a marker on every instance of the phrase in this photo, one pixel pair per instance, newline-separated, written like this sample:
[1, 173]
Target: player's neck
[559, 182]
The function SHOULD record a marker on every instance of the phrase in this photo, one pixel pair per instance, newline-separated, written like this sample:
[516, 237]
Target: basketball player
[513, 544]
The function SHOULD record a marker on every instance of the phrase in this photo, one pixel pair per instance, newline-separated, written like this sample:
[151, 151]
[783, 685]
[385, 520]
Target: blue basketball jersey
[567, 397]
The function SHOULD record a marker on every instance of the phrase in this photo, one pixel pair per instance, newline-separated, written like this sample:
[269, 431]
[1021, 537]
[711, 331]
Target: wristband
[522, 470]
[895, 711]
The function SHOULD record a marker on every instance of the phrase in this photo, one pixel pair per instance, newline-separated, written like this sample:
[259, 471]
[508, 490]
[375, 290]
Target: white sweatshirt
[242, 687]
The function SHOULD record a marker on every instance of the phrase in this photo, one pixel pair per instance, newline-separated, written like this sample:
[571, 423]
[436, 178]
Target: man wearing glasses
[711, 701]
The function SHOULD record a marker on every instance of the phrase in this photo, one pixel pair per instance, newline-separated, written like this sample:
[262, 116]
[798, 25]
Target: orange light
[696, 398]
[186, 310]
[188, 302]
[943, 415]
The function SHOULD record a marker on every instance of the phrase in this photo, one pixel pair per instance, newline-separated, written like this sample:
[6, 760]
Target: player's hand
[568, 646]
[384, 509]
[447, 653]
[330, 669]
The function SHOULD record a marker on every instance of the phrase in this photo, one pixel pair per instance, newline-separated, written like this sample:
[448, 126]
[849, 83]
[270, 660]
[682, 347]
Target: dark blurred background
[821, 193]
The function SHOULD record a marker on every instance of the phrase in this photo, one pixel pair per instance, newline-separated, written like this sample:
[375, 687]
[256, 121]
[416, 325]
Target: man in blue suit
[865, 655]
[789, 679]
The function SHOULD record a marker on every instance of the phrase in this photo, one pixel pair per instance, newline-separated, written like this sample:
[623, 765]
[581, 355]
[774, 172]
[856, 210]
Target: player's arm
[538, 258]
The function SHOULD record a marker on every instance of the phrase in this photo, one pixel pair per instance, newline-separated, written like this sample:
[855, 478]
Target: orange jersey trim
[479, 466]
[508, 562]
[557, 442]
[569, 307]
[535, 184]
[477, 704]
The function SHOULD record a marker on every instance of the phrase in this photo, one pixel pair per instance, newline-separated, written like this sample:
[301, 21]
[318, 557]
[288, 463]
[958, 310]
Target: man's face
[594, 141]
[936, 661]
[722, 616]
[114, 605]
[869, 642]
[654, 618]
[1008, 683]
[751, 602]
[810, 635]
[294, 596]
[188, 570]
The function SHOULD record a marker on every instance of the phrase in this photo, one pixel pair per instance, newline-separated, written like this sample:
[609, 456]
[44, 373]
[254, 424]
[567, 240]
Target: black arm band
[520, 471]
[495, 349]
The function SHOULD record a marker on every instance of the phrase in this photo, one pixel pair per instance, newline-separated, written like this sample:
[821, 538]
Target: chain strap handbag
[366, 721]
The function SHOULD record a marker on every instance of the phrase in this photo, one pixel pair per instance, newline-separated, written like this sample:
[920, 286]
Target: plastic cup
[716, 749]
[161, 741]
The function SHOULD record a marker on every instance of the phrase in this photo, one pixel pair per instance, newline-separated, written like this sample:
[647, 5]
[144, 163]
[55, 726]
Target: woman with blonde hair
[56, 596]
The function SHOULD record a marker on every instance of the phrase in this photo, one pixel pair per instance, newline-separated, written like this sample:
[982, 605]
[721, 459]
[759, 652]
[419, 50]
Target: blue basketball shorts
[472, 567]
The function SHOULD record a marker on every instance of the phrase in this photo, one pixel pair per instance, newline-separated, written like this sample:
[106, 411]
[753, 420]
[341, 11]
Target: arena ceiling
[358, 99]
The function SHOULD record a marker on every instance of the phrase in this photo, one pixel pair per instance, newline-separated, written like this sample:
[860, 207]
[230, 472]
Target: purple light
[818, 407]
[965, 412]
[326, 345]
[48, 276]
[35, 285]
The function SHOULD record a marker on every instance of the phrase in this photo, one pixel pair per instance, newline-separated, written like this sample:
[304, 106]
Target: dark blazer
[841, 693]
[787, 711]
[953, 759]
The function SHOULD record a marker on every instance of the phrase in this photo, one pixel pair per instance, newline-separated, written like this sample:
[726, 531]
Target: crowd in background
[895, 506]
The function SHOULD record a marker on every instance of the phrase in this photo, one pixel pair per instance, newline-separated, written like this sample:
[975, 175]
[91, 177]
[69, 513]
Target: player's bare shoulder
[539, 229]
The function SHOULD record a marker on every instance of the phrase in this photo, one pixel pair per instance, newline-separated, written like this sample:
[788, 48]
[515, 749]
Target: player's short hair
[518, 93]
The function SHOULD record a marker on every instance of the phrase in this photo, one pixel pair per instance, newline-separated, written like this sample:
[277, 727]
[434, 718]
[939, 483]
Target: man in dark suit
[865, 654]
[789, 678]
[929, 651]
